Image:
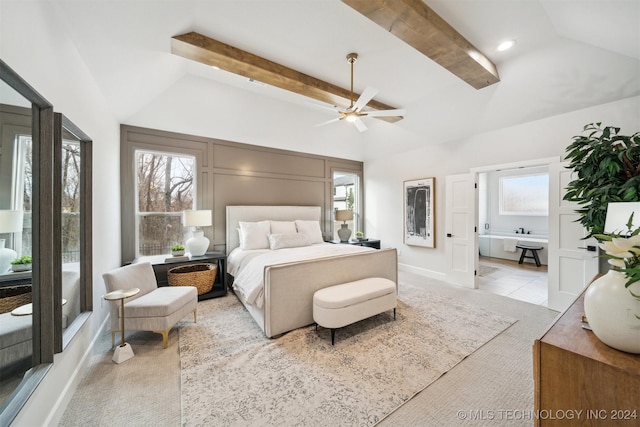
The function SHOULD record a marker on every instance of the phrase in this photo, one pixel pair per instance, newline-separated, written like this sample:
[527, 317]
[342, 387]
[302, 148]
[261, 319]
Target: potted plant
[359, 235]
[177, 250]
[21, 264]
[607, 169]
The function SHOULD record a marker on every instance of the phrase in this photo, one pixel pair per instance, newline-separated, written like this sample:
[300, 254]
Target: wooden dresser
[579, 381]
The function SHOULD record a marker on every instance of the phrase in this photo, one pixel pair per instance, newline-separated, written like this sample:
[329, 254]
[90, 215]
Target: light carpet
[233, 375]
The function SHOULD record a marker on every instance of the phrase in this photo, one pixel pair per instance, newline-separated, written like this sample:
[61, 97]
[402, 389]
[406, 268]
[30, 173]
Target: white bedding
[247, 267]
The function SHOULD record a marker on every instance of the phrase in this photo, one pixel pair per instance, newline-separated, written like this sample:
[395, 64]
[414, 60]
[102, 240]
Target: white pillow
[290, 240]
[311, 229]
[283, 227]
[254, 235]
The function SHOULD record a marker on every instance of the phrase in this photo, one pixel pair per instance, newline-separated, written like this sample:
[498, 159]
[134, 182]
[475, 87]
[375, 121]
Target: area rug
[486, 270]
[232, 375]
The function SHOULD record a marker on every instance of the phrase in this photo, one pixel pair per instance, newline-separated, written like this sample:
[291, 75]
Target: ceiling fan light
[351, 118]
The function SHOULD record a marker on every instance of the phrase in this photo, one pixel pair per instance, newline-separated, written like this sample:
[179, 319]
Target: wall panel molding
[232, 173]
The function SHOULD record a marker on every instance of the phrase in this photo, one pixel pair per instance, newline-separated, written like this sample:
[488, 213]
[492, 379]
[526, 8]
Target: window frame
[358, 204]
[132, 140]
[140, 214]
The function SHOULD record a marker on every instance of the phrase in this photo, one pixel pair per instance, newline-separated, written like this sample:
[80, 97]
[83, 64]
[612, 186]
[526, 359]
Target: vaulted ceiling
[568, 55]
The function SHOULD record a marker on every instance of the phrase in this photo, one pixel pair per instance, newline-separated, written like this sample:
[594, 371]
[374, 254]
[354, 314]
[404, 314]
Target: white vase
[6, 256]
[611, 311]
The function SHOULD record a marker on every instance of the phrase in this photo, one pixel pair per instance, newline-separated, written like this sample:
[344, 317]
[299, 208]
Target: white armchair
[154, 308]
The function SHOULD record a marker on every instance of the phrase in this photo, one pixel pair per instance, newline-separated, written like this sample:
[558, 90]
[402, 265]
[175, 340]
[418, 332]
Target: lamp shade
[10, 221]
[344, 215]
[618, 214]
[192, 218]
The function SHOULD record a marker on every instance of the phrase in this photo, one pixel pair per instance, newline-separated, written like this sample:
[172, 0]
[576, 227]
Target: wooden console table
[579, 381]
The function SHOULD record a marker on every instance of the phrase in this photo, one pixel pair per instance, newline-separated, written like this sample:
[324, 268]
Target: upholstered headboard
[235, 214]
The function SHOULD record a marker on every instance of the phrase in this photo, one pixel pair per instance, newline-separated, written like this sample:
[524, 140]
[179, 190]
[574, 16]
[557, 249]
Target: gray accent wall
[232, 173]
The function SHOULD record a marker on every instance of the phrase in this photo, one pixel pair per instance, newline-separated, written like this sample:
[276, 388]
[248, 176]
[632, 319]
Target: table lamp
[10, 222]
[198, 244]
[344, 233]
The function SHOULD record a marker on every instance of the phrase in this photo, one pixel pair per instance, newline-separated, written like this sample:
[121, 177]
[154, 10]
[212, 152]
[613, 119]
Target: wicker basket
[202, 276]
[14, 297]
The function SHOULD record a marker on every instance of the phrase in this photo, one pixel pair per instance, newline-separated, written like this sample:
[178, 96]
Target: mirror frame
[42, 244]
[62, 125]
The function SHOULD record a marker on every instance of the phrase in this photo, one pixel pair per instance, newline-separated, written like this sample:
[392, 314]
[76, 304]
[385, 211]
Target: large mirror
[26, 233]
[72, 198]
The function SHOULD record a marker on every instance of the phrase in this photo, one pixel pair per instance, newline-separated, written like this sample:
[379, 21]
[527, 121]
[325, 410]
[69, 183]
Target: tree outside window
[165, 188]
[70, 201]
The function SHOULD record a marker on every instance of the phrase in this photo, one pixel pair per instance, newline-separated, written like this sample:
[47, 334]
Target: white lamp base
[6, 256]
[344, 233]
[198, 244]
[122, 353]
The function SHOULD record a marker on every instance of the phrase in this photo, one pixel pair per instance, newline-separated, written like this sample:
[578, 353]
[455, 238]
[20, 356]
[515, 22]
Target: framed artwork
[419, 212]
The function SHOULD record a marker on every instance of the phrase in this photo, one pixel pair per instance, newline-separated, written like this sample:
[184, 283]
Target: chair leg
[394, 313]
[333, 335]
[195, 316]
[165, 337]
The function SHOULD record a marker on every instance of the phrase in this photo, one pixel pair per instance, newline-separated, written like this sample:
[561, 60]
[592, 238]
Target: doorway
[512, 208]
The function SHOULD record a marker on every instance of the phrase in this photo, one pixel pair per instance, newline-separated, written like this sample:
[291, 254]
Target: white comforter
[247, 267]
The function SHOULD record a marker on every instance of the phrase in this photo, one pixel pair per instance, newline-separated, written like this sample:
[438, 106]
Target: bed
[284, 302]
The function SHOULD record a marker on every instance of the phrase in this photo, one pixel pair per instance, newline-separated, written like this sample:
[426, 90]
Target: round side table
[27, 309]
[124, 351]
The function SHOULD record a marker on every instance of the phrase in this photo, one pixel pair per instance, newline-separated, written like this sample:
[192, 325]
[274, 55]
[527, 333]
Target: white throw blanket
[509, 244]
[250, 279]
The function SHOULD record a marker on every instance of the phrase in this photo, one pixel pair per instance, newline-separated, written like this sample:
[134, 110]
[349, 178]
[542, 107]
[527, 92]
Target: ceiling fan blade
[360, 125]
[364, 99]
[386, 113]
[328, 121]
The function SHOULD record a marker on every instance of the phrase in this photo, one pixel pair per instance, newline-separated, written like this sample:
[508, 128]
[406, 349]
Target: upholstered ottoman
[347, 303]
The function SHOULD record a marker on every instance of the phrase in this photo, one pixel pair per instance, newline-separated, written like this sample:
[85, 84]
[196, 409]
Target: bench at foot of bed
[341, 305]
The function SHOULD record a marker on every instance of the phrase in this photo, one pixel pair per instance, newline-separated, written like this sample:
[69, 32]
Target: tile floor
[524, 282]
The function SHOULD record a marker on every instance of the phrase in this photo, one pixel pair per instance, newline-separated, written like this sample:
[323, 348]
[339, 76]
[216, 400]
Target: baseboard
[422, 272]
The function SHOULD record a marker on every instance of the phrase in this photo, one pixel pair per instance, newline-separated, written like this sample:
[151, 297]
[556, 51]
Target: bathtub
[492, 245]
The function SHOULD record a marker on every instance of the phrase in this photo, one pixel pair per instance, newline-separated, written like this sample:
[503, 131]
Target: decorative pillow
[253, 235]
[291, 240]
[311, 229]
[283, 227]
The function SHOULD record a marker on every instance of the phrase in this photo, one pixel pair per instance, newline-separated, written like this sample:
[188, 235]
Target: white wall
[42, 55]
[534, 140]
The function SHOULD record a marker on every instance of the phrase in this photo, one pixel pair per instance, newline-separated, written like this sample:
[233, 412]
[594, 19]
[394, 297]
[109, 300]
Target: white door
[460, 229]
[573, 261]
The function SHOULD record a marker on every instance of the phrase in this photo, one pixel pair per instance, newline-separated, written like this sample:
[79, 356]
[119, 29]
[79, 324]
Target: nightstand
[161, 267]
[370, 243]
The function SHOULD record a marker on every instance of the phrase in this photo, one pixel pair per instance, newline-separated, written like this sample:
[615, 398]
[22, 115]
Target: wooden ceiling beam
[419, 26]
[200, 48]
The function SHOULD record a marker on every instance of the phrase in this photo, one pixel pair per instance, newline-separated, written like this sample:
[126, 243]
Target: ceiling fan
[353, 113]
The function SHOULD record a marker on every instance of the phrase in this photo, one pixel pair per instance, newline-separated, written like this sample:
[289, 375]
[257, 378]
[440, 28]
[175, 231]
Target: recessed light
[505, 45]
[215, 67]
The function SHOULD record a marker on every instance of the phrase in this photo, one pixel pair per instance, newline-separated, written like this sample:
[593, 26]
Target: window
[22, 187]
[524, 195]
[165, 187]
[347, 195]
[71, 189]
